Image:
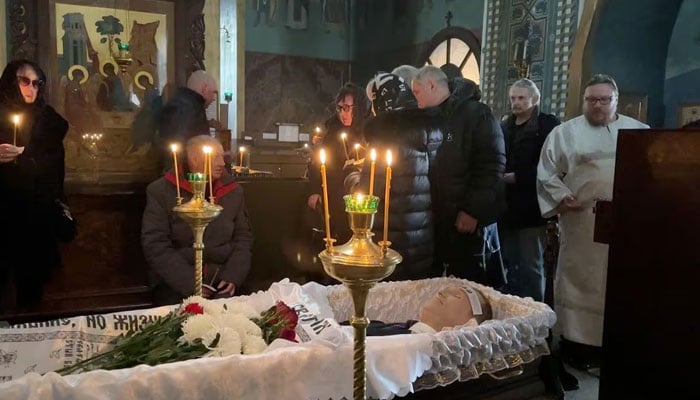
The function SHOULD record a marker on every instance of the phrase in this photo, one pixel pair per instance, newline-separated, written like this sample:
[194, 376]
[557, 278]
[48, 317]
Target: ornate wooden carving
[21, 17]
[189, 47]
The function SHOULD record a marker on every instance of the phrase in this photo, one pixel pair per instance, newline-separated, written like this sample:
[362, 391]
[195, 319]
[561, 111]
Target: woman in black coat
[413, 135]
[31, 184]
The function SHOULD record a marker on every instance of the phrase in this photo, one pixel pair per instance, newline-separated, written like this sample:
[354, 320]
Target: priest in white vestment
[576, 168]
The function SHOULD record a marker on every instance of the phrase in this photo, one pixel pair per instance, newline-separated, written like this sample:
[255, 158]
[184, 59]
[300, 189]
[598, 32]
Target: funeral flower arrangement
[197, 328]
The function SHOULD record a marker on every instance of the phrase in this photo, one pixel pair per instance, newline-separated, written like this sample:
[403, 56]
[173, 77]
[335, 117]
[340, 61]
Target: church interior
[278, 65]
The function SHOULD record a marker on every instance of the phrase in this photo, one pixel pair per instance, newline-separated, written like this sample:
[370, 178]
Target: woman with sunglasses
[31, 185]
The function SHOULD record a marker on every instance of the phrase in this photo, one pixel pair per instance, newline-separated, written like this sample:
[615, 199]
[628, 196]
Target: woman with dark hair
[343, 131]
[31, 183]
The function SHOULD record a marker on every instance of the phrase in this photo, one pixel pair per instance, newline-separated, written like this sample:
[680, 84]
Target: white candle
[241, 150]
[344, 137]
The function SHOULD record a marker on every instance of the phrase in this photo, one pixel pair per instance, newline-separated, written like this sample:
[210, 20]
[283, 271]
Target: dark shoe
[549, 373]
[568, 381]
[580, 356]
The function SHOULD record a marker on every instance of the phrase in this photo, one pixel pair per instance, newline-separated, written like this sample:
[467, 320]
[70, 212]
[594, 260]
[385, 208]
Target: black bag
[64, 225]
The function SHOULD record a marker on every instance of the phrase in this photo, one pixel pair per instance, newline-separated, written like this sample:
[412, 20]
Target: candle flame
[206, 149]
[388, 158]
[241, 149]
[360, 197]
[357, 146]
[323, 156]
[15, 119]
[318, 130]
[373, 155]
[343, 135]
[173, 147]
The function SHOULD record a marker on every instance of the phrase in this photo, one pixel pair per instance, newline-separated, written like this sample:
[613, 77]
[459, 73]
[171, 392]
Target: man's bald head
[430, 86]
[204, 84]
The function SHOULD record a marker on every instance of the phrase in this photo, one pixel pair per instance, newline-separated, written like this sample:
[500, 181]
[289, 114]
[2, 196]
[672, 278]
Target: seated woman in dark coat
[413, 135]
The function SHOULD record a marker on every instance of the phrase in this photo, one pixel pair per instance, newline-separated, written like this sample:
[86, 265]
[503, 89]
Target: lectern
[651, 336]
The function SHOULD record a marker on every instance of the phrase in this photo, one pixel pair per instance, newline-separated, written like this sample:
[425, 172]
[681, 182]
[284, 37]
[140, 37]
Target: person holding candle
[167, 240]
[413, 135]
[31, 183]
[469, 193]
[351, 110]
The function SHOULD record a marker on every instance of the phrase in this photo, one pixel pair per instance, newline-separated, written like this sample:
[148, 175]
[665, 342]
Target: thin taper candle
[241, 150]
[173, 147]
[386, 196]
[373, 156]
[207, 160]
[344, 137]
[357, 151]
[324, 186]
[15, 119]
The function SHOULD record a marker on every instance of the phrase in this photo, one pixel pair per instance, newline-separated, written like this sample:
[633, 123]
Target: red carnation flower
[194, 308]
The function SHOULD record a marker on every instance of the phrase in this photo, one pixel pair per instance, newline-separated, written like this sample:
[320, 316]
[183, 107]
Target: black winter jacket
[183, 116]
[471, 160]
[413, 135]
[523, 154]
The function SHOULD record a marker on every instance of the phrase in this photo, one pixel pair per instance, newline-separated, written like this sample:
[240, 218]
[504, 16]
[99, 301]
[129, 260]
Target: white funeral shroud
[318, 369]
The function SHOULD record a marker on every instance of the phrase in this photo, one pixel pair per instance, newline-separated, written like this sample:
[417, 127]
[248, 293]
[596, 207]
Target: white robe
[579, 159]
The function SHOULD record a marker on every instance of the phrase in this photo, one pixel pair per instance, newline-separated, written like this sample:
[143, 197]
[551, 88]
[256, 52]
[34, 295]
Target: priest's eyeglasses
[24, 81]
[604, 101]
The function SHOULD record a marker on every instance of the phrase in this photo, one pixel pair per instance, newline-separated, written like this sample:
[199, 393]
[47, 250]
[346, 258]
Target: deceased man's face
[449, 307]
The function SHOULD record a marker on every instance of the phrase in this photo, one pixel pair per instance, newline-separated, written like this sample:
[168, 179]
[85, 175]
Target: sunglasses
[24, 81]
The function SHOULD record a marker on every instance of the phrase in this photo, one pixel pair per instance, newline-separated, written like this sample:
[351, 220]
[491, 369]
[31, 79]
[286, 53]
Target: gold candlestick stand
[198, 213]
[360, 264]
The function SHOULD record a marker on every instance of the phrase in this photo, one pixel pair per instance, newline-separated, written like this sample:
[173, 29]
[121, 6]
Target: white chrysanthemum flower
[213, 308]
[240, 323]
[229, 343]
[253, 344]
[239, 307]
[194, 299]
[196, 327]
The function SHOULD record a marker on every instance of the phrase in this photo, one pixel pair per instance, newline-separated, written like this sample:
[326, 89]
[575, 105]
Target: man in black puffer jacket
[413, 136]
[469, 193]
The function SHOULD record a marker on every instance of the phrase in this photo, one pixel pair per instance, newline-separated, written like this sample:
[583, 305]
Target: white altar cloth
[319, 369]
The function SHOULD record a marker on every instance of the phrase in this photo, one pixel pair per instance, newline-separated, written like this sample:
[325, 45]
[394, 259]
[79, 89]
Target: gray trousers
[523, 253]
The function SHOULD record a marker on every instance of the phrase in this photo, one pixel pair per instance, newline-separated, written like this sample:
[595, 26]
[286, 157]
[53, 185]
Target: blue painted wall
[631, 44]
[319, 40]
[683, 63]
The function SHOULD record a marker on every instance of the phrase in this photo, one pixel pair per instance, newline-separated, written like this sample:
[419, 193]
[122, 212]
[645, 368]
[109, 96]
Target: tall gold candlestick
[15, 120]
[373, 156]
[326, 213]
[386, 196]
[344, 137]
[173, 147]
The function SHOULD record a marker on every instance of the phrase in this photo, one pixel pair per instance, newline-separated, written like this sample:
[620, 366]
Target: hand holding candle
[386, 197]
[173, 147]
[324, 186]
[373, 156]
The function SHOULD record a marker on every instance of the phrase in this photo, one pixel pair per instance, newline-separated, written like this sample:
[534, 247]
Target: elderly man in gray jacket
[167, 239]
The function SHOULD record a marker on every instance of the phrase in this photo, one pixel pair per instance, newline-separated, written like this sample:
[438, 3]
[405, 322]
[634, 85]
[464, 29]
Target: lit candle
[15, 120]
[344, 137]
[318, 130]
[324, 186]
[386, 196]
[373, 156]
[207, 168]
[357, 151]
[241, 150]
[173, 147]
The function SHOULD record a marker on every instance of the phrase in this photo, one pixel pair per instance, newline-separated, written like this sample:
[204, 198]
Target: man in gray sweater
[167, 239]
